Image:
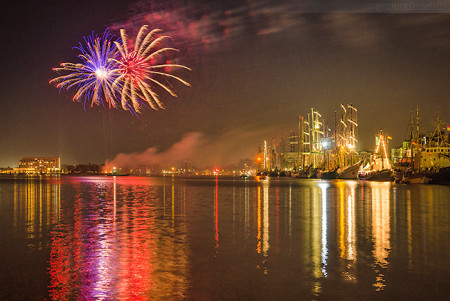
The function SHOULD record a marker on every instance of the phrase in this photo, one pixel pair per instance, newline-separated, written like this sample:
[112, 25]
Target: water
[165, 238]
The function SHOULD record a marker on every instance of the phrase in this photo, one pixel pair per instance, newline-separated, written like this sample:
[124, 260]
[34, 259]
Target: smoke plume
[202, 150]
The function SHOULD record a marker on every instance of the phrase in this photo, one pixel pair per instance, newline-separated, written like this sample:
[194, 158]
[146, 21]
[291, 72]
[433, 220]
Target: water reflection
[317, 232]
[216, 212]
[170, 238]
[36, 207]
[380, 229]
[119, 247]
[409, 227]
[324, 250]
[265, 240]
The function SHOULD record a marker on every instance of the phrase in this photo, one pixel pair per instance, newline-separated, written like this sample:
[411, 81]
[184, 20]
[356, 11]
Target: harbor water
[222, 238]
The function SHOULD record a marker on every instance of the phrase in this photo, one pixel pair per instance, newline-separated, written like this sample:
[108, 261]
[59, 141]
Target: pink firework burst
[140, 71]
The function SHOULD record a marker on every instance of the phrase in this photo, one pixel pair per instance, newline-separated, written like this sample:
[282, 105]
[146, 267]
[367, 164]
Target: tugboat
[423, 157]
[435, 156]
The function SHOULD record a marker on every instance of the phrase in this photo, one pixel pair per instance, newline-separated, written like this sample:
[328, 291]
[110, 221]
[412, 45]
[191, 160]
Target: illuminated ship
[379, 166]
[316, 151]
[409, 169]
[342, 161]
[435, 156]
[350, 172]
[306, 148]
[423, 158]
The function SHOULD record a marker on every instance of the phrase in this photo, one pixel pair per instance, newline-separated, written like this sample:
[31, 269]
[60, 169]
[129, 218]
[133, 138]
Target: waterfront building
[39, 165]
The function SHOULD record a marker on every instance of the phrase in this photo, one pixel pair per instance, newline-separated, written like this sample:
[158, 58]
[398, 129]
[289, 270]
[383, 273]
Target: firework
[139, 70]
[93, 78]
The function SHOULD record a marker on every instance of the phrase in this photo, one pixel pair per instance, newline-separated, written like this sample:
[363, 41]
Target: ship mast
[300, 141]
[352, 127]
[418, 127]
[412, 141]
[437, 132]
[381, 150]
[342, 136]
[307, 141]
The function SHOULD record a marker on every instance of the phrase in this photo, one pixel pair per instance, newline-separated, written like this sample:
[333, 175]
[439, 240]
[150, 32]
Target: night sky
[256, 65]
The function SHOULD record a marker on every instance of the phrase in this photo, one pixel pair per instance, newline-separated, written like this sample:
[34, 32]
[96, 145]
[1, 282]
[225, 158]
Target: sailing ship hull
[350, 172]
[380, 176]
[313, 173]
[329, 175]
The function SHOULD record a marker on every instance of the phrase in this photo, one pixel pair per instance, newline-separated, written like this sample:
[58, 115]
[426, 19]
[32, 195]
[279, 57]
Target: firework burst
[139, 70]
[93, 78]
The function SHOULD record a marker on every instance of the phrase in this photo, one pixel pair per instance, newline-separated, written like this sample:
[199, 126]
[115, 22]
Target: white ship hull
[350, 172]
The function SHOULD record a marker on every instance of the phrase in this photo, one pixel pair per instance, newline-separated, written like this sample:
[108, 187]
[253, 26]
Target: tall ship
[347, 136]
[378, 168]
[305, 147]
[341, 160]
[314, 150]
[324, 153]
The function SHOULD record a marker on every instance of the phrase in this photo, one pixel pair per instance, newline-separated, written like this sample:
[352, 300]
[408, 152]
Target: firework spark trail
[93, 78]
[137, 70]
[119, 74]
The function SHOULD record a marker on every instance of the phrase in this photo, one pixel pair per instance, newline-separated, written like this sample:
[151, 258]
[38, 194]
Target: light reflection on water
[105, 238]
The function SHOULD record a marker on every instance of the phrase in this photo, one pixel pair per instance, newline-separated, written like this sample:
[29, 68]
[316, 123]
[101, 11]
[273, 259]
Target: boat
[423, 157]
[378, 167]
[441, 176]
[261, 176]
[313, 173]
[302, 174]
[117, 174]
[342, 155]
[329, 175]
[412, 176]
[379, 176]
[350, 172]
